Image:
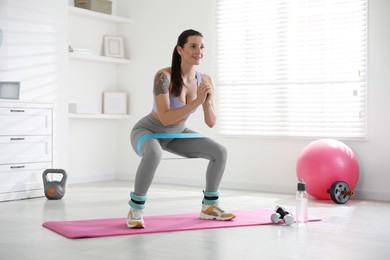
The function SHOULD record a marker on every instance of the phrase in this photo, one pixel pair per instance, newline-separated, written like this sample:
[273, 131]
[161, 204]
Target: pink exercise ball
[322, 163]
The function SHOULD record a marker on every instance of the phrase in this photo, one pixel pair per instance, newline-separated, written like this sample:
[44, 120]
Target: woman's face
[192, 52]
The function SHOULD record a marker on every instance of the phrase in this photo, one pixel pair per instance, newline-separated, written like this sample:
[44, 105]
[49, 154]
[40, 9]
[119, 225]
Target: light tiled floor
[358, 229]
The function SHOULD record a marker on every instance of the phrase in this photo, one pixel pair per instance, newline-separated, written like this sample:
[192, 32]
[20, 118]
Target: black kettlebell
[54, 190]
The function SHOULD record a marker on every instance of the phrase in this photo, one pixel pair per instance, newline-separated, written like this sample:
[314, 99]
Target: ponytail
[176, 78]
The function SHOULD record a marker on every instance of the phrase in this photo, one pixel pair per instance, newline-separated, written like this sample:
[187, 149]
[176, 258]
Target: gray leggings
[190, 148]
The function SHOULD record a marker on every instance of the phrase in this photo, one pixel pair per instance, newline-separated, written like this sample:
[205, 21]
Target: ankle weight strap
[210, 197]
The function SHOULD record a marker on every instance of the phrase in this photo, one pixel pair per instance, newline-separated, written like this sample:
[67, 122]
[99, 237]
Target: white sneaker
[214, 212]
[135, 219]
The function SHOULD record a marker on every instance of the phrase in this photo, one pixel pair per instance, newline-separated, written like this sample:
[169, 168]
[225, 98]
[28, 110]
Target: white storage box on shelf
[102, 6]
[77, 108]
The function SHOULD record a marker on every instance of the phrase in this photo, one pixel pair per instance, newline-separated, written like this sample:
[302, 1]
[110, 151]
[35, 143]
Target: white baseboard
[199, 182]
[96, 178]
[18, 195]
[253, 186]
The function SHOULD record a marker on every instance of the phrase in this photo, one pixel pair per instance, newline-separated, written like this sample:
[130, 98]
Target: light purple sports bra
[174, 101]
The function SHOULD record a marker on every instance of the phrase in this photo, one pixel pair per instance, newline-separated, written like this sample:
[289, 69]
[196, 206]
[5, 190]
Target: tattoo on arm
[161, 84]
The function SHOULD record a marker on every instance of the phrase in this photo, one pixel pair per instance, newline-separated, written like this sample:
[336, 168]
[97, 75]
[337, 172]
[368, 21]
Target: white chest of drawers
[26, 148]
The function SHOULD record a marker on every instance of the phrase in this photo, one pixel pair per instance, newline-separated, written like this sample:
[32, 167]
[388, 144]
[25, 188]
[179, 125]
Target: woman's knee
[221, 152]
[152, 152]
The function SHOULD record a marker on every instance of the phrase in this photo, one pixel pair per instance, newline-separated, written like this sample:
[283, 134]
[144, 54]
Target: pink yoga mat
[156, 224]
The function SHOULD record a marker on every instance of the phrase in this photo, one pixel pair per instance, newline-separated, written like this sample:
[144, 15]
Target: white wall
[254, 163]
[33, 53]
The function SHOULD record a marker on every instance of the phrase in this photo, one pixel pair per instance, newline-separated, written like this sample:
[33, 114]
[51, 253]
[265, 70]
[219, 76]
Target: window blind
[292, 68]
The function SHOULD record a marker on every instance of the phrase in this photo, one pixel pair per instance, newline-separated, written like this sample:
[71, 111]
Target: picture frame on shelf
[113, 46]
[115, 103]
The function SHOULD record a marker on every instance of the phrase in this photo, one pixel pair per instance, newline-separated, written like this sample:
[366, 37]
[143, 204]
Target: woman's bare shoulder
[206, 77]
[166, 71]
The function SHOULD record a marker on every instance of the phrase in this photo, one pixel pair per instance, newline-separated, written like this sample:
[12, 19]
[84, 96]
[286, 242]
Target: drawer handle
[17, 138]
[17, 167]
[17, 110]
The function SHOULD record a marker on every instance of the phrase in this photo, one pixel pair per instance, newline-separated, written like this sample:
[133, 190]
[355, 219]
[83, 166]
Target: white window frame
[292, 68]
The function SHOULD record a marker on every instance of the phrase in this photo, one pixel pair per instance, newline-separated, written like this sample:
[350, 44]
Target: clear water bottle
[301, 200]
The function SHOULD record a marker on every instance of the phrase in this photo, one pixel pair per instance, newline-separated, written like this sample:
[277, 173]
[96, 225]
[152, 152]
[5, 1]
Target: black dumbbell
[282, 215]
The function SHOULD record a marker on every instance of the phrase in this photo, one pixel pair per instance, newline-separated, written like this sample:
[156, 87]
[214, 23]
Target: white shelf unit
[26, 148]
[97, 116]
[92, 143]
[87, 28]
[97, 58]
[96, 15]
